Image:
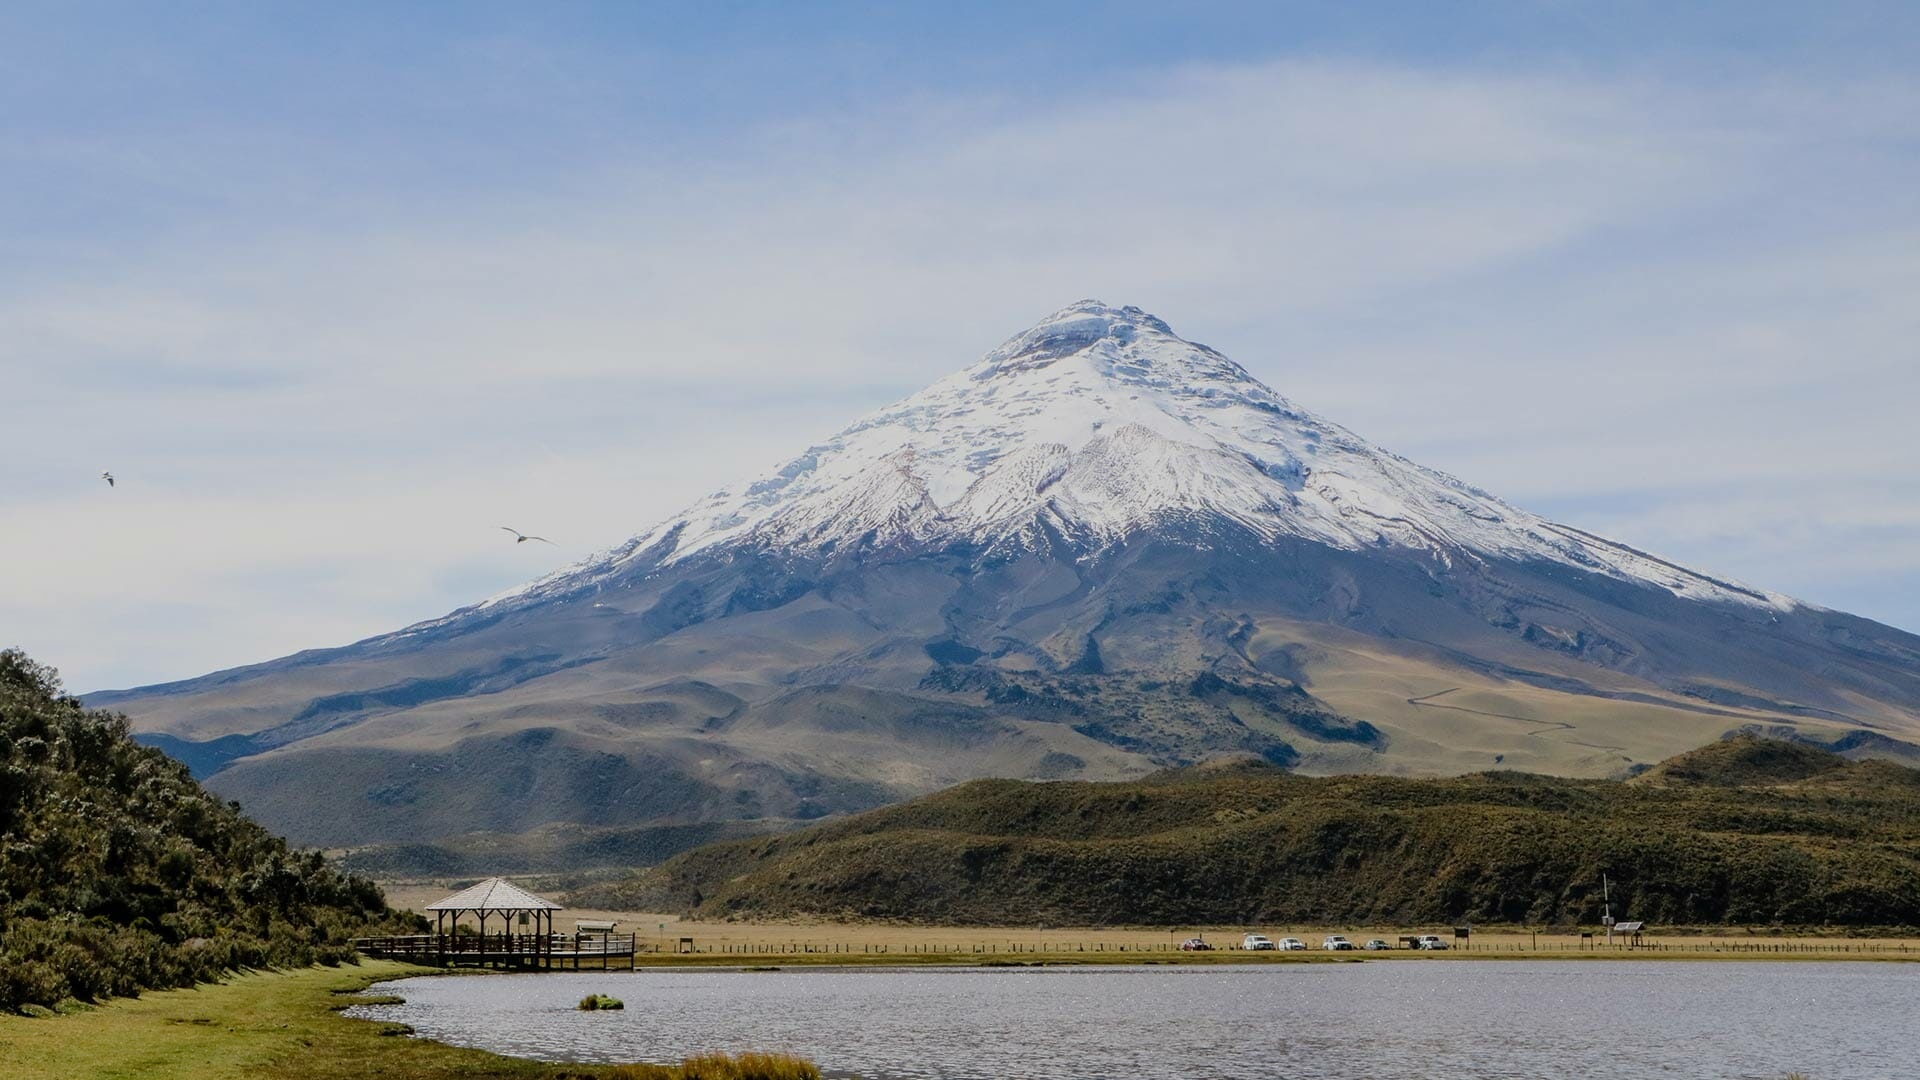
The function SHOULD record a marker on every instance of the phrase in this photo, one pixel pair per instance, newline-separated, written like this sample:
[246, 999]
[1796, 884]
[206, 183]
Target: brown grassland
[816, 941]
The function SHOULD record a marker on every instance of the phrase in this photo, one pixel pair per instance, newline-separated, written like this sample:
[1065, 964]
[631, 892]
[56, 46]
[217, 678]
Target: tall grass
[723, 1067]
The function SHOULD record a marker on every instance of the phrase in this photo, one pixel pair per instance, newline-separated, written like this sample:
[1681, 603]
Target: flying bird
[108, 477]
[521, 538]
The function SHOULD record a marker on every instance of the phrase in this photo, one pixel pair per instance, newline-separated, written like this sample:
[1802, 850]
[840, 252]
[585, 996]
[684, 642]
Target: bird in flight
[108, 477]
[521, 538]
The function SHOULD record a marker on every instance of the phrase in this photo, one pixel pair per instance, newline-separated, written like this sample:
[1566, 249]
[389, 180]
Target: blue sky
[336, 289]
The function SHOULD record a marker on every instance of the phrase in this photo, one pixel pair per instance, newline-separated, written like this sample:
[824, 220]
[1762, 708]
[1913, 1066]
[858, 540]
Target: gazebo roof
[494, 894]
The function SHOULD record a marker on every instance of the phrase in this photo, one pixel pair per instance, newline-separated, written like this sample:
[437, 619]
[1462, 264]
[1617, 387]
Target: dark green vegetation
[118, 873]
[1746, 831]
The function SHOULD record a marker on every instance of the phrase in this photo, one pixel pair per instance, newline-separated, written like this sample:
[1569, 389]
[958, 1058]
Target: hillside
[551, 849]
[118, 873]
[1746, 831]
[1098, 551]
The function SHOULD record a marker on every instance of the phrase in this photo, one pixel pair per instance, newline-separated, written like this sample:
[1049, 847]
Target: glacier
[1096, 424]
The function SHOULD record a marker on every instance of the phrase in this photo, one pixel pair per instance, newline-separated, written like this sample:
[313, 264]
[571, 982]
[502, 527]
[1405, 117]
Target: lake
[1381, 1020]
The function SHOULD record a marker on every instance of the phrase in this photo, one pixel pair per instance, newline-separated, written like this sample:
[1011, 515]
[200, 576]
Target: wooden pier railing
[501, 950]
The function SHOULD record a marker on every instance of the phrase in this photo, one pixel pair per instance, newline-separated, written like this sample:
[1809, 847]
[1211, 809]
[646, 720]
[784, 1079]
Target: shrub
[748, 1066]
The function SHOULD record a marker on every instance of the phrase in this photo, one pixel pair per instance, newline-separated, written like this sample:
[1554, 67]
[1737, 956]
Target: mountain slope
[1098, 551]
[1803, 837]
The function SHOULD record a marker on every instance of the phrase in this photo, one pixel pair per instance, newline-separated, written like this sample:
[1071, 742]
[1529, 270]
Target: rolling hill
[1747, 831]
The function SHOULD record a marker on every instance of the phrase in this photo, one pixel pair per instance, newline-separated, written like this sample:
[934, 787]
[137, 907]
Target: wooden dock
[511, 952]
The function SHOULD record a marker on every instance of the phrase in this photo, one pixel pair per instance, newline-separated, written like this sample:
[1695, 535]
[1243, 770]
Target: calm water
[1385, 1020]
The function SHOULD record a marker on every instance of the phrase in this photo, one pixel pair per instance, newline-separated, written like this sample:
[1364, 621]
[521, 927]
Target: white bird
[108, 477]
[521, 538]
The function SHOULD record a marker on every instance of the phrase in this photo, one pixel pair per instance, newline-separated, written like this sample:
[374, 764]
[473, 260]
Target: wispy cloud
[1676, 311]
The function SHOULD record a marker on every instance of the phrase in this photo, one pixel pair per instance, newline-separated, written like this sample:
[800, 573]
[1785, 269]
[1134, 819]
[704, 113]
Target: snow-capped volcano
[1100, 550]
[1099, 423]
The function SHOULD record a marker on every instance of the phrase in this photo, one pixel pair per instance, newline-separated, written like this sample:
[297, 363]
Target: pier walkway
[524, 952]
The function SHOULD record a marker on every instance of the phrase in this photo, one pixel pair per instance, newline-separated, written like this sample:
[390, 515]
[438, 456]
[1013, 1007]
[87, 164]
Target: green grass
[600, 1003]
[287, 1026]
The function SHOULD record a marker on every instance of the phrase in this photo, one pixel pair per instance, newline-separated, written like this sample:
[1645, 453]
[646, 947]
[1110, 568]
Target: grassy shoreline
[288, 1025]
[282, 1024]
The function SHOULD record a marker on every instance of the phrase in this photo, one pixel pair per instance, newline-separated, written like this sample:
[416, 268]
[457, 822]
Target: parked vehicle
[1335, 943]
[1292, 944]
[1257, 942]
[1432, 942]
[1194, 944]
[1375, 945]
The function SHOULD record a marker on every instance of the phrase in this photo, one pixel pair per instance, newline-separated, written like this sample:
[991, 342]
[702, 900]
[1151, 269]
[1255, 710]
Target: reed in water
[723, 1067]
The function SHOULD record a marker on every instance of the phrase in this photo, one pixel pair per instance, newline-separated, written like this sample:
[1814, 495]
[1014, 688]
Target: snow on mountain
[1099, 423]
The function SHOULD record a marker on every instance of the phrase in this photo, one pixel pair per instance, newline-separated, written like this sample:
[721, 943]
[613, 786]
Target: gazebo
[525, 938]
[497, 895]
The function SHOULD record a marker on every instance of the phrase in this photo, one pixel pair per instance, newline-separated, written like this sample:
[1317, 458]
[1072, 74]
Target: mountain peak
[1098, 425]
[1081, 324]
[1108, 330]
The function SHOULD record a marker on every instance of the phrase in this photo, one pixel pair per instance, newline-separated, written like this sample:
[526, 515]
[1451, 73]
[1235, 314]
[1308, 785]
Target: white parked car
[1258, 942]
[1431, 942]
[1292, 944]
[1335, 943]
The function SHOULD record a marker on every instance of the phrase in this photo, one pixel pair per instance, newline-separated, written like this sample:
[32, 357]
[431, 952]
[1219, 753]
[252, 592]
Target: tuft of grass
[748, 1066]
[600, 1003]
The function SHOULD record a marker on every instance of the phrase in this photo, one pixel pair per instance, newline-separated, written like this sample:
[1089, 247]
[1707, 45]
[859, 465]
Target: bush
[600, 1003]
